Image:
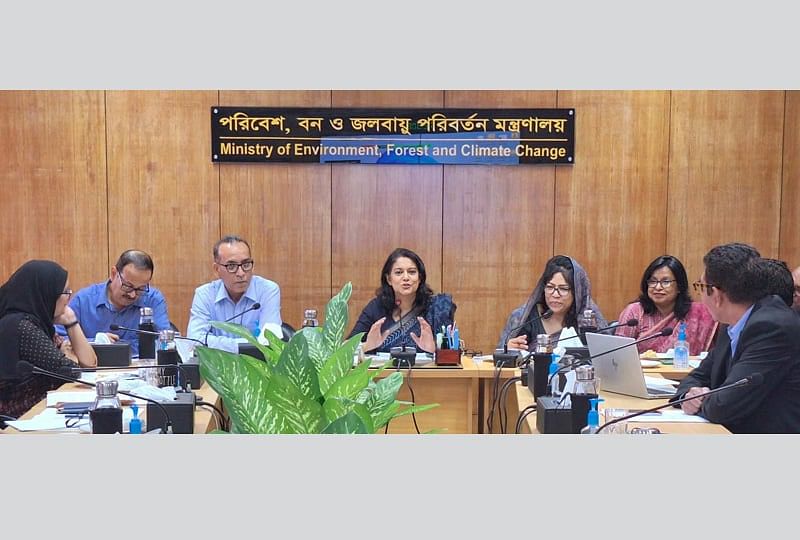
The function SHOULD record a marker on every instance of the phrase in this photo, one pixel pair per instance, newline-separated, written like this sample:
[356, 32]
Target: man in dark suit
[762, 336]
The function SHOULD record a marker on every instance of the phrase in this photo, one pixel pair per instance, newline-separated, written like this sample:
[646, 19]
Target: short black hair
[730, 268]
[139, 259]
[683, 302]
[229, 239]
[772, 276]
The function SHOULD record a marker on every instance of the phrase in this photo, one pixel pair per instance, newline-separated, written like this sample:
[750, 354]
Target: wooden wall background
[87, 174]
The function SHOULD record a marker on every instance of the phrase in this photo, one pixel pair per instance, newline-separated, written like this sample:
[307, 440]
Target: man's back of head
[731, 268]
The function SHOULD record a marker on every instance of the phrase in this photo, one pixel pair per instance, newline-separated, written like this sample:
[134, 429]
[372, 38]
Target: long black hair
[385, 292]
[563, 264]
[683, 302]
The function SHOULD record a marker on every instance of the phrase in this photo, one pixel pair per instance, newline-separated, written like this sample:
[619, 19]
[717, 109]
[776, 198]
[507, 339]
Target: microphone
[251, 308]
[664, 332]
[24, 369]
[136, 330]
[754, 379]
[503, 358]
[402, 357]
[629, 322]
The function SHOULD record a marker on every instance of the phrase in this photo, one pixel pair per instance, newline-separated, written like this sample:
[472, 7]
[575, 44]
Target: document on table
[48, 419]
[670, 415]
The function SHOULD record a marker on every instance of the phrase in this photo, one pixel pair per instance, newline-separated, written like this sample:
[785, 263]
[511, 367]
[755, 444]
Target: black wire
[523, 415]
[413, 399]
[490, 418]
[219, 416]
[501, 407]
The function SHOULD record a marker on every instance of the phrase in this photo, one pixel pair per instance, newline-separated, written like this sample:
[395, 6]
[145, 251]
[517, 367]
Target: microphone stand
[39, 371]
[503, 358]
[755, 378]
[402, 357]
[254, 307]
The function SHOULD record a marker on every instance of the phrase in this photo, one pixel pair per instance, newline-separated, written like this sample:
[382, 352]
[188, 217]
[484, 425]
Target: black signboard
[378, 136]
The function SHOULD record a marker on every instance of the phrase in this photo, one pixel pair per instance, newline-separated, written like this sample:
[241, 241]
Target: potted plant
[308, 385]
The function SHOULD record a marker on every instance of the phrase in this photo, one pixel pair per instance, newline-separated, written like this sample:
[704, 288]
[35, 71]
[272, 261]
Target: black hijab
[31, 292]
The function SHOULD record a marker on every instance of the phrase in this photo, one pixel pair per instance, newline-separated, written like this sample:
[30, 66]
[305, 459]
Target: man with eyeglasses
[762, 336]
[118, 300]
[233, 296]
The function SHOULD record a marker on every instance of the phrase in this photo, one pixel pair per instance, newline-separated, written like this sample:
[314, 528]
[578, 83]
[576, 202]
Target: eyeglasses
[233, 267]
[563, 290]
[68, 292]
[699, 286]
[128, 287]
[665, 283]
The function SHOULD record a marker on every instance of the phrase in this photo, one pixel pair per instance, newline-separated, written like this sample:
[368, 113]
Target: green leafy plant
[308, 385]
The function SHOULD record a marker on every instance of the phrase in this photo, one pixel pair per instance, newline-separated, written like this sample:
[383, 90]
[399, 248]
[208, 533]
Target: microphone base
[181, 412]
[191, 371]
[505, 359]
[403, 359]
[552, 417]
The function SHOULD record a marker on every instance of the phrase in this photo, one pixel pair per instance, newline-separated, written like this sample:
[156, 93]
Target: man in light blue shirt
[233, 296]
[117, 301]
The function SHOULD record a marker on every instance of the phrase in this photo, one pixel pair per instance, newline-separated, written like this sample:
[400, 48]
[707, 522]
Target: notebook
[621, 371]
[113, 354]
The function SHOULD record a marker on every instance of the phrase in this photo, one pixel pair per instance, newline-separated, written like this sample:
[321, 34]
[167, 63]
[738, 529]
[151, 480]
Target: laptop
[621, 371]
[113, 354]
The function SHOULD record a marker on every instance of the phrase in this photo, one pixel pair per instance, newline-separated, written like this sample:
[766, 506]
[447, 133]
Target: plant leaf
[336, 319]
[351, 385]
[316, 350]
[338, 364]
[381, 402]
[242, 381]
[269, 352]
[349, 423]
[288, 410]
[296, 365]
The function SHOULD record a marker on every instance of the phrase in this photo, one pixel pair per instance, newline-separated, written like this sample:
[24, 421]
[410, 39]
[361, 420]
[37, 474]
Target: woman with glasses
[404, 311]
[33, 299]
[664, 301]
[565, 290]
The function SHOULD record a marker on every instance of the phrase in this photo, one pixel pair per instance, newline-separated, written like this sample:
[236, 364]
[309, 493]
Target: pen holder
[448, 357]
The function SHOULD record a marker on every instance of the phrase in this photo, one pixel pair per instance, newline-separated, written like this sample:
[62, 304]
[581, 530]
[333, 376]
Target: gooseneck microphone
[136, 330]
[503, 358]
[754, 379]
[664, 332]
[24, 369]
[402, 357]
[629, 322]
[229, 319]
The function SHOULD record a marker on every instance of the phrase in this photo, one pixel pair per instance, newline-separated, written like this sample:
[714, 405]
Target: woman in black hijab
[33, 299]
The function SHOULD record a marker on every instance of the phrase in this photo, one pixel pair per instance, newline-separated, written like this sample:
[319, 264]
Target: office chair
[288, 331]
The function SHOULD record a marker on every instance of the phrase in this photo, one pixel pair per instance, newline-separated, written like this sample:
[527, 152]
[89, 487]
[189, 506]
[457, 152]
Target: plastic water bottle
[587, 322]
[147, 342]
[310, 318]
[681, 360]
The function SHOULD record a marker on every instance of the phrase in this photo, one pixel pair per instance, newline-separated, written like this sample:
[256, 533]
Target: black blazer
[769, 344]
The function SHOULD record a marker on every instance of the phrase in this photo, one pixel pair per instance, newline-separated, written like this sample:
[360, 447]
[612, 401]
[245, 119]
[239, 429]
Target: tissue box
[448, 357]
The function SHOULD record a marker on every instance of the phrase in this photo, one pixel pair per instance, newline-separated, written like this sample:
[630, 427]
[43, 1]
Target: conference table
[204, 419]
[522, 398]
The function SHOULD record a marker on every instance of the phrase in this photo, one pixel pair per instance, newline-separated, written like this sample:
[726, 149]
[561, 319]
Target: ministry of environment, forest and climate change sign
[411, 136]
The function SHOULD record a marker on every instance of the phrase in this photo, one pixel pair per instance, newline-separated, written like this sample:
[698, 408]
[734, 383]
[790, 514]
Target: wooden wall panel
[163, 189]
[284, 212]
[725, 173]
[790, 197]
[53, 184]
[498, 228]
[376, 208]
[610, 206]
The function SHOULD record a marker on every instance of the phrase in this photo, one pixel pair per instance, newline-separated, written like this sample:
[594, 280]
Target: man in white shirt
[233, 297]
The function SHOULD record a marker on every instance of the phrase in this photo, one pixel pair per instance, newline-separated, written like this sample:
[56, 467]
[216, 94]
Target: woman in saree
[404, 311]
[664, 302]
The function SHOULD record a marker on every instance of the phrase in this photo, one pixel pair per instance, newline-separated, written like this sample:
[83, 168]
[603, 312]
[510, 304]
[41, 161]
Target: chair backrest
[288, 331]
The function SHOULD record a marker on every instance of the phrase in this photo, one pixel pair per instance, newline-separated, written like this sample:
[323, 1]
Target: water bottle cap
[146, 311]
[167, 335]
[106, 388]
[584, 373]
[310, 314]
